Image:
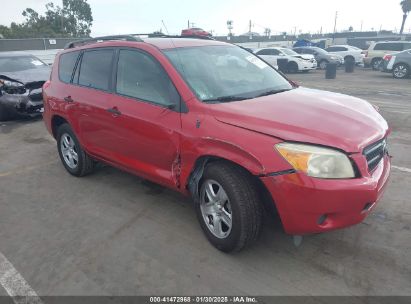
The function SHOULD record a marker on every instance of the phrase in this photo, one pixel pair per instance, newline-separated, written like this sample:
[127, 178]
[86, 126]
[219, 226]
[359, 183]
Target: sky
[146, 16]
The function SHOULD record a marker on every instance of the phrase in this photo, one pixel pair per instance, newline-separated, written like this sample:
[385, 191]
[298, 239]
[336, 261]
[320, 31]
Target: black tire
[401, 71]
[375, 63]
[245, 206]
[322, 64]
[349, 59]
[85, 164]
[4, 113]
[292, 67]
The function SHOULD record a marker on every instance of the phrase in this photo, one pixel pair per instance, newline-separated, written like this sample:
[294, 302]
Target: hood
[304, 56]
[28, 76]
[306, 115]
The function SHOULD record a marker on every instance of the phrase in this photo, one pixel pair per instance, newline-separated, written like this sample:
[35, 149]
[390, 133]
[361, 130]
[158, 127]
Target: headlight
[317, 161]
[12, 87]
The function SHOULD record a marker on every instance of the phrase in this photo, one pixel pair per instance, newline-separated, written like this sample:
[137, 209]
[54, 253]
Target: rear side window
[66, 66]
[95, 71]
[141, 77]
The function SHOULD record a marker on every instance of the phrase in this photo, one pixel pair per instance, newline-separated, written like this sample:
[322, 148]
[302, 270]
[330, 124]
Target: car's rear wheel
[74, 158]
[400, 71]
[229, 209]
[323, 64]
[292, 67]
[375, 63]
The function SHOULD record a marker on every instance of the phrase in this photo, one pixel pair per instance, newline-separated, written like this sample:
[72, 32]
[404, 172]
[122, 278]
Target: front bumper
[307, 65]
[310, 205]
[30, 103]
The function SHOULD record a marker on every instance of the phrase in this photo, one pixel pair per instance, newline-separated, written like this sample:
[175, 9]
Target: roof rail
[158, 35]
[101, 39]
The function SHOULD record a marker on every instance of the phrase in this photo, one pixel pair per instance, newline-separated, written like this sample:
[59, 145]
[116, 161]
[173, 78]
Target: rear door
[91, 99]
[144, 119]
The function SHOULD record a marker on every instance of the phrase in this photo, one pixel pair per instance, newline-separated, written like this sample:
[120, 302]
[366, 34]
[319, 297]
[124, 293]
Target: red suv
[213, 121]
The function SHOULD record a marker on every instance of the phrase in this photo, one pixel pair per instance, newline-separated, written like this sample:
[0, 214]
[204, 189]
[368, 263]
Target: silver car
[398, 64]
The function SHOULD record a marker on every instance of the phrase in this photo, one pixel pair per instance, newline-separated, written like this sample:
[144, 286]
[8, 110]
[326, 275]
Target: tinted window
[140, 76]
[66, 66]
[20, 63]
[95, 71]
[388, 47]
[336, 49]
[264, 52]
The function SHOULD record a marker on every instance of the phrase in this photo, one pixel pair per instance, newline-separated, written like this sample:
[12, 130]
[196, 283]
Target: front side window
[140, 76]
[225, 73]
[95, 70]
[66, 65]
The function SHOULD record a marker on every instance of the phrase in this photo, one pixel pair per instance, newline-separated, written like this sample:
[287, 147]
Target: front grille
[374, 153]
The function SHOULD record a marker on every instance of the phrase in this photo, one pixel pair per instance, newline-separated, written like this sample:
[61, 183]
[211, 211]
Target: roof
[171, 43]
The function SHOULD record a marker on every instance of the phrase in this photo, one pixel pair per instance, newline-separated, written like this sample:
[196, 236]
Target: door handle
[68, 99]
[114, 110]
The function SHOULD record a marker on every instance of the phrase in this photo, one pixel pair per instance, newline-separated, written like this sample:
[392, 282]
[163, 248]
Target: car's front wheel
[375, 63]
[74, 158]
[323, 64]
[401, 71]
[4, 113]
[229, 209]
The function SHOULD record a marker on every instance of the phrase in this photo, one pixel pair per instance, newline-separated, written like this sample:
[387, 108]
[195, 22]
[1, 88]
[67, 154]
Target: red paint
[195, 32]
[150, 141]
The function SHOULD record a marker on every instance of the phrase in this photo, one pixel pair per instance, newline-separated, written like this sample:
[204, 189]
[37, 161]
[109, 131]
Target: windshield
[20, 63]
[289, 52]
[226, 73]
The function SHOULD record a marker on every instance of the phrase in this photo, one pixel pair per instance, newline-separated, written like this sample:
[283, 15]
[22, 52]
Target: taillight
[387, 57]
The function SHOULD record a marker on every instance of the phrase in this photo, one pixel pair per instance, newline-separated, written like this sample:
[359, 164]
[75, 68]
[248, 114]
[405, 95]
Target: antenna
[165, 27]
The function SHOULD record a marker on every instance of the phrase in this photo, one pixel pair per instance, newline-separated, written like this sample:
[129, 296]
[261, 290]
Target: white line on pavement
[402, 169]
[15, 285]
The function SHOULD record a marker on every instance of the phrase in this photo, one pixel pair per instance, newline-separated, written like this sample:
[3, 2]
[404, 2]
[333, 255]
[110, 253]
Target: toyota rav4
[215, 122]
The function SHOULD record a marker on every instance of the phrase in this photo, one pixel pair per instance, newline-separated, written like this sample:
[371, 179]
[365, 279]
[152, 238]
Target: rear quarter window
[66, 66]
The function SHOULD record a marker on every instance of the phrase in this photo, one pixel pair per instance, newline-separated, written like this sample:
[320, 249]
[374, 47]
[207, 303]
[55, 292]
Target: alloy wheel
[216, 209]
[69, 151]
[400, 71]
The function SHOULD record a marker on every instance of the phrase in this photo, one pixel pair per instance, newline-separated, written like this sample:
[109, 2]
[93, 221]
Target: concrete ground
[113, 234]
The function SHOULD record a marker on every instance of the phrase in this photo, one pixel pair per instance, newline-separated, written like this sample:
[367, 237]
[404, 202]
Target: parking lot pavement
[113, 234]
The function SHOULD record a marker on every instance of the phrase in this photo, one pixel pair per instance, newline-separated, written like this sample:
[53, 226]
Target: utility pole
[249, 30]
[362, 21]
[188, 23]
[335, 25]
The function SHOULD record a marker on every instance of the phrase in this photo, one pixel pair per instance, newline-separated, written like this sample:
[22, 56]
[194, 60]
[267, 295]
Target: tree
[406, 8]
[74, 19]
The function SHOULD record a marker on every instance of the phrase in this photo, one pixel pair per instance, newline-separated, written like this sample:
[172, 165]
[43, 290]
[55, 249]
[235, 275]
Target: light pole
[335, 25]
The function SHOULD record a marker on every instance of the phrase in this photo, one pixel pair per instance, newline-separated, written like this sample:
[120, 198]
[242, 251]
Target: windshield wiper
[272, 92]
[226, 99]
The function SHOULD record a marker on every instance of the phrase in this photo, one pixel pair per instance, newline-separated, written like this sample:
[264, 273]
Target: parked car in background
[195, 31]
[377, 50]
[296, 62]
[398, 64]
[322, 56]
[21, 79]
[211, 120]
[348, 52]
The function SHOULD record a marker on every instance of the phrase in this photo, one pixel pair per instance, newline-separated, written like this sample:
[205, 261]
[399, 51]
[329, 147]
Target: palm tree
[406, 8]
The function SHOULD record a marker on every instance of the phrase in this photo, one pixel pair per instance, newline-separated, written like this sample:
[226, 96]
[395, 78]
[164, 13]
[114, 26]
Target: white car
[296, 62]
[348, 52]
